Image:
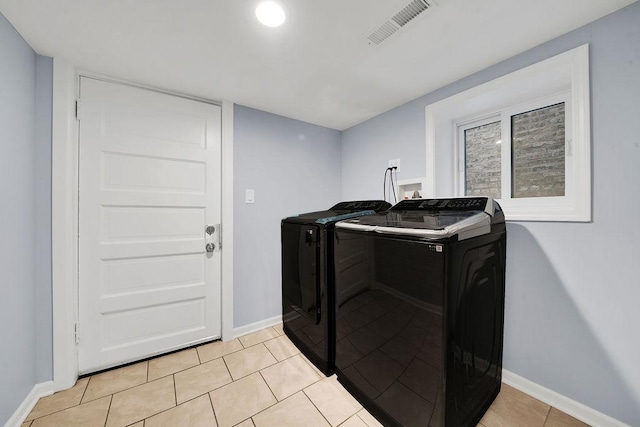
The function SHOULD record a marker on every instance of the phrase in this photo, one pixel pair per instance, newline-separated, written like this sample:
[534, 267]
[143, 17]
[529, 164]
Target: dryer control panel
[361, 205]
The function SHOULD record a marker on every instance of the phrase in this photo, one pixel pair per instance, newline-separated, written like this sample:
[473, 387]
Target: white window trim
[567, 72]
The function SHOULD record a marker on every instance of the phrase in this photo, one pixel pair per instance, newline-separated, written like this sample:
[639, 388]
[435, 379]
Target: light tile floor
[258, 380]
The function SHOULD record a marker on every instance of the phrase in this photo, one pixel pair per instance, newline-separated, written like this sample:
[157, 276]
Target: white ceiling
[317, 67]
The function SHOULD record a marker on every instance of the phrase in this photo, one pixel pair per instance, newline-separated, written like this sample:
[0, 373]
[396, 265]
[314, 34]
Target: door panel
[124, 329]
[150, 223]
[149, 184]
[135, 274]
[135, 172]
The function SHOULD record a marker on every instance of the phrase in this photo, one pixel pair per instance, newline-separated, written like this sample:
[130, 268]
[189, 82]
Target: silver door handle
[211, 233]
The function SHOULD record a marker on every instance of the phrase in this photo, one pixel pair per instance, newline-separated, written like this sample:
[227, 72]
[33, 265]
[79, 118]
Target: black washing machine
[307, 278]
[420, 310]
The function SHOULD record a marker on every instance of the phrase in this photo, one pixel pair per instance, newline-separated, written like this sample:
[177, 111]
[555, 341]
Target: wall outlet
[394, 163]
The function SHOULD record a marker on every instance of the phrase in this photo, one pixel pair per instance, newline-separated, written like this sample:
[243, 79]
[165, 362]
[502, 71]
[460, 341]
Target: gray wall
[25, 219]
[293, 167]
[572, 288]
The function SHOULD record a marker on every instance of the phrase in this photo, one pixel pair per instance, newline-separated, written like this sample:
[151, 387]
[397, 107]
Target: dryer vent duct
[403, 17]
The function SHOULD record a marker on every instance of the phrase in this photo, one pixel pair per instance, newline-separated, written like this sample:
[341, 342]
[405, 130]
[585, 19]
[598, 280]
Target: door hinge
[77, 332]
[78, 109]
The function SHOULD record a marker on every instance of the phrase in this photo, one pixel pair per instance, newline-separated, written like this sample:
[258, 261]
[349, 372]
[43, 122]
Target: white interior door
[149, 184]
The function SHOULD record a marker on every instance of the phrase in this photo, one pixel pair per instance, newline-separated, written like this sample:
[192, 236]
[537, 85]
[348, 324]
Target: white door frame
[64, 218]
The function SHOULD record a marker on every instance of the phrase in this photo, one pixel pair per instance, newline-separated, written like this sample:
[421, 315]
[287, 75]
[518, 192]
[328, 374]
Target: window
[537, 152]
[481, 153]
[531, 160]
[523, 139]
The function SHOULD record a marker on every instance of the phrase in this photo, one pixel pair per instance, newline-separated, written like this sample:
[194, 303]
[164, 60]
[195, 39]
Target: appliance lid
[340, 211]
[341, 217]
[430, 218]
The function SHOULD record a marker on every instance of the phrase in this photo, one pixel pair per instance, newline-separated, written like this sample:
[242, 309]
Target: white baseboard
[38, 391]
[558, 401]
[256, 326]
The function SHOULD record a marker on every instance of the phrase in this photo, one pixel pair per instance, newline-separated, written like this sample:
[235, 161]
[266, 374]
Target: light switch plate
[249, 196]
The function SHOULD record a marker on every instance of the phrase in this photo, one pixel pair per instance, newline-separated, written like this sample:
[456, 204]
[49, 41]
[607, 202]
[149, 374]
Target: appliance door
[389, 327]
[303, 291]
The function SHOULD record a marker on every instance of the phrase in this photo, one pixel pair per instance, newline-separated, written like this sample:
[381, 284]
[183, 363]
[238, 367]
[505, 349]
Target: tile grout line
[269, 387]
[287, 358]
[259, 342]
[175, 390]
[182, 370]
[215, 417]
[310, 363]
[139, 385]
[251, 373]
[276, 332]
[173, 407]
[546, 417]
[70, 407]
[228, 371]
[146, 382]
[86, 387]
[259, 412]
[270, 406]
[364, 421]
[263, 379]
[270, 352]
[358, 417]
[223, 354]
[124, 389]
[314, 405]
[274, 396]
[164, 410]
[108, 410]
[153, 414]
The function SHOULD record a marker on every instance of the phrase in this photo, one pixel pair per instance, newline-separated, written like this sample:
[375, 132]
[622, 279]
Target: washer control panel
[451, 204]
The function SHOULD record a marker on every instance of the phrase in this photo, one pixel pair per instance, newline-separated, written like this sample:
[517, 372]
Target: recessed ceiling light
[270, 14]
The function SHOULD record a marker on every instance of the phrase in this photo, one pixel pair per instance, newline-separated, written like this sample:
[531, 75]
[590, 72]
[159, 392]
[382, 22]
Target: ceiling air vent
[407, 14]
